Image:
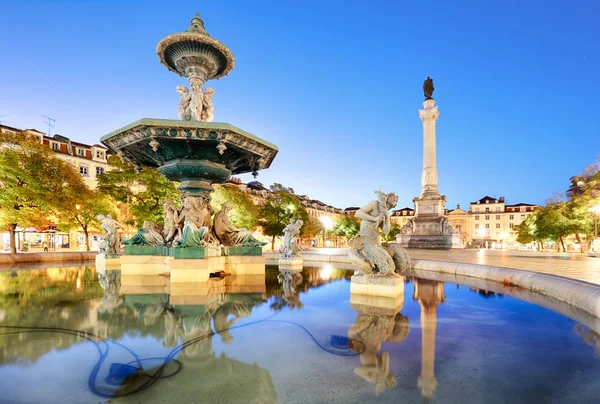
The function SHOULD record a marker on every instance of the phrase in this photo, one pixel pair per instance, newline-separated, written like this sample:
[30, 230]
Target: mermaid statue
[367, 252]
[228, 234]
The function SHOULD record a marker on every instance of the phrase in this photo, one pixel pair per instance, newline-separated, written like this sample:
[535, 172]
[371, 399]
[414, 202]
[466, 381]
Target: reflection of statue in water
[372, 330]
[195, 216]
[428, 88]
[149, 234]
[290, 248]
[228, 234]
[111, 229]
[289, 281]
[223, 323]
[366, 251]
[110, 281]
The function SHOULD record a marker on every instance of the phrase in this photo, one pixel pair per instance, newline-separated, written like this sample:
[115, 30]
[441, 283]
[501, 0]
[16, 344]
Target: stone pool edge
[37, 257]
[582, 295]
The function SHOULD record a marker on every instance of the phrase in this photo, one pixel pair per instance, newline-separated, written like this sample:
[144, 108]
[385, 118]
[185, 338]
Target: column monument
[429, 228]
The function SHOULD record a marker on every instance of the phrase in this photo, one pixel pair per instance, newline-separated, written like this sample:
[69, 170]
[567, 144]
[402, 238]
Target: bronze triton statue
[428, 88]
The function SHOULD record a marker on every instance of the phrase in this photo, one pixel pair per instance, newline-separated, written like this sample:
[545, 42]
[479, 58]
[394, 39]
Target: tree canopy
[277, 211]
[142, 191]
[34, 183]
[244, 213]
[346, 226]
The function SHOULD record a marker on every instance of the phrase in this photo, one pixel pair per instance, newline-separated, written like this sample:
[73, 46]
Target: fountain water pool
[75, 335]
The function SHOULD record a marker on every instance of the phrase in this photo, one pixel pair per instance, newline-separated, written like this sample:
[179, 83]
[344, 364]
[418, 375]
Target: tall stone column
[429, 176]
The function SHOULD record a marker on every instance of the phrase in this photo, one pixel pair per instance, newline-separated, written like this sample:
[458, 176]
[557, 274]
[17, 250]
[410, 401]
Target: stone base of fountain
[291, 264]
[199, 270]
[108, 261]
[386, 286]
[148, 250]
[143, 264]
[241, 251]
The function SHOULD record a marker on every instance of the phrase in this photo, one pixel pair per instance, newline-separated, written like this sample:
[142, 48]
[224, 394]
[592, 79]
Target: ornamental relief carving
[429, 114]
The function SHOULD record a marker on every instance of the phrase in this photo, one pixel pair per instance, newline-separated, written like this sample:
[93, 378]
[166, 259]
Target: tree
[143, 192]
[83, 210]
[526, 230]
[244, 213]
[280, 207]
[391, 236]
[33, 183]
[346, 226]
[552, 223]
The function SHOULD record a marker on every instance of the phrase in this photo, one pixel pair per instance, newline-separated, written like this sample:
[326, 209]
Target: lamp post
[481, 233]
[327, 225]
[596, 211]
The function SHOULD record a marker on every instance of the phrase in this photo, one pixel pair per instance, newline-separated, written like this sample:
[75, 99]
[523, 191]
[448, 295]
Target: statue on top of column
[428, 88]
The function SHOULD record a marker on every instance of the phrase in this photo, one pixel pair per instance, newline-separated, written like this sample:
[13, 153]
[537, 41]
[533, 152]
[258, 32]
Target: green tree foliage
[526, 230]
[391, 236]
[276, 212]
[244, 213]
[143, 192]
[346, 226]
[312, 228]
[33, 183]
[82, 212]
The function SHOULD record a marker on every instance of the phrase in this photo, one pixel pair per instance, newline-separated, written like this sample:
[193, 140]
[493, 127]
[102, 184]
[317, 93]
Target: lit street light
[596, 211]
[481, 232]
[327, 225]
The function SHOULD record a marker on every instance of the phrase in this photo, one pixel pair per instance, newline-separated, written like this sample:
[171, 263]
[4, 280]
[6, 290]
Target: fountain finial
[197, 25]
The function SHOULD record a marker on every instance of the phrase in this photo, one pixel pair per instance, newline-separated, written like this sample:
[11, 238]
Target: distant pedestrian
[45, 246]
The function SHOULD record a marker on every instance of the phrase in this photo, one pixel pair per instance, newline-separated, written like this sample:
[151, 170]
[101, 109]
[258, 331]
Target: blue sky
[335, 84]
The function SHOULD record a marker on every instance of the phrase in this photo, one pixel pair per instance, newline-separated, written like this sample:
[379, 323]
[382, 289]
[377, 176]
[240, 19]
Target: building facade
[90, 161]
[490, 221]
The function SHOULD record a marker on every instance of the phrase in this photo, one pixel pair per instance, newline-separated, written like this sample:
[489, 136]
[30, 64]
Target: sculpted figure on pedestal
[170, 229]
[228, 234]
[195, 216]
[290, 247]
[184, 111]
[366, 251]
[428, 88]
[208, 109]
[111, 229]
[196, 105]
[149, 234]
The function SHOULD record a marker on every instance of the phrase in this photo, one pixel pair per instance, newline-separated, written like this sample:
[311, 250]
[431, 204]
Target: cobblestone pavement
[571, 265]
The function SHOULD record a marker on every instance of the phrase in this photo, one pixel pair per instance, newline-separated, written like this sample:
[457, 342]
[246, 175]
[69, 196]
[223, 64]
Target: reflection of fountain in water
[372, 327]
[110, 281]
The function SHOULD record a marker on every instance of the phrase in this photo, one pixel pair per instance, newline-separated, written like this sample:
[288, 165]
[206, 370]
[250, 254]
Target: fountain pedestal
[385, 291]
[293, 263]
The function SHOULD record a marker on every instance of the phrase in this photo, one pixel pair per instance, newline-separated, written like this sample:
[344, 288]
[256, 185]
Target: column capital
[429, 114]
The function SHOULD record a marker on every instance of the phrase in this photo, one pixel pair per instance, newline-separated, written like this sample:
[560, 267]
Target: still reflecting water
[74, 335]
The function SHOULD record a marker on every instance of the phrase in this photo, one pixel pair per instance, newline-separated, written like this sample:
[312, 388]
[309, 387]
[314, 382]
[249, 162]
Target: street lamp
[596, 211]
[327, 225]
[503, 237]
[481, 233]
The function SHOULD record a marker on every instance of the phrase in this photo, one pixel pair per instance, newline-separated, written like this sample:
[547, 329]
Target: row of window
[487, 210]
[83, 170]
[511, 217]
[487, 225]
[80, 152]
